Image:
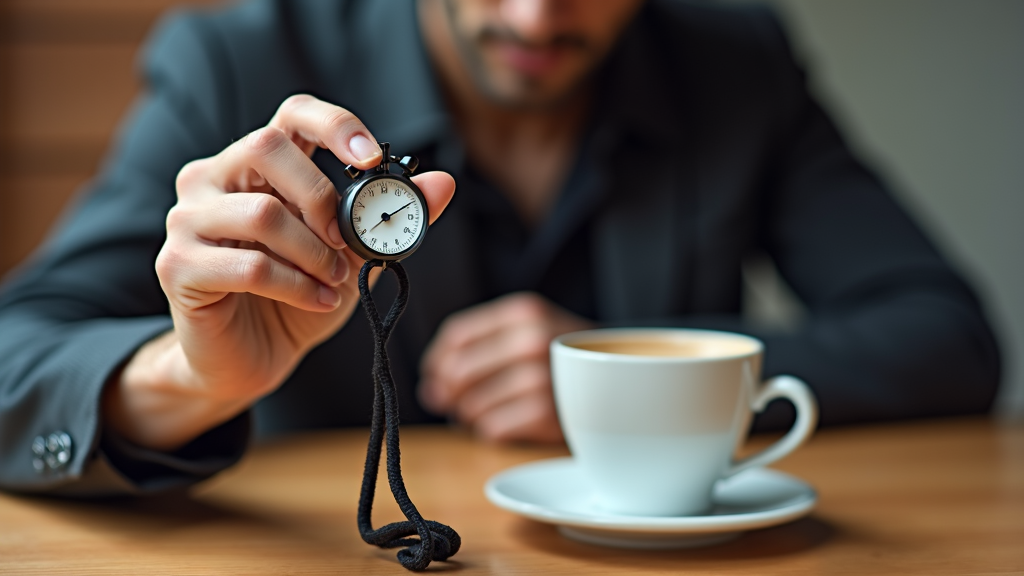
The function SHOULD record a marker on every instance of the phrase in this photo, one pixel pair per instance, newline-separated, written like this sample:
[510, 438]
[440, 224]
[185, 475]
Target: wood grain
[67, 76]
[937, 497]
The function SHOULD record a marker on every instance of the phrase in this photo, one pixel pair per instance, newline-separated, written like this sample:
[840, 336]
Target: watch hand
[399, 210]
[385, 216]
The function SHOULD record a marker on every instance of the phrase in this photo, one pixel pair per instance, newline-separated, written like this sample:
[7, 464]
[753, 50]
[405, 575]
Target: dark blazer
[714, 151]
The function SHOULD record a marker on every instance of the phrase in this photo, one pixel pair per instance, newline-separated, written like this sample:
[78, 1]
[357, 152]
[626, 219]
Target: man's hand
[255, 271]
[489, 367]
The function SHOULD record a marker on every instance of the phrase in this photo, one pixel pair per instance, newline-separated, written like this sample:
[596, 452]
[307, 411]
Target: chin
[528, 93]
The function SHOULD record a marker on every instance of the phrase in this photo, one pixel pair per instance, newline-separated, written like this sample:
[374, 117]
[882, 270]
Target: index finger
[313, 123]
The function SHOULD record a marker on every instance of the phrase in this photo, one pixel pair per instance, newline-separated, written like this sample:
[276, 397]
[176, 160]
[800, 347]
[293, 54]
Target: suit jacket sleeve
[894, 331]
[73, 314]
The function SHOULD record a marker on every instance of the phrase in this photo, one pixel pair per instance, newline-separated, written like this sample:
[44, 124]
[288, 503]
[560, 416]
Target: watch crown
[385, 159]
[353, 172]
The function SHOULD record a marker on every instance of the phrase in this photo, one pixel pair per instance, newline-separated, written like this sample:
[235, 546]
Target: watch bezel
[346, 200]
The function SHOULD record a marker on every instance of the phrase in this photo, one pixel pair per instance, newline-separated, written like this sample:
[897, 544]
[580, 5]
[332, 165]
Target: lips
[531, 61]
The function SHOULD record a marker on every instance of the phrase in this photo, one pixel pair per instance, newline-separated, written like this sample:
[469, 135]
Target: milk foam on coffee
[711, 347]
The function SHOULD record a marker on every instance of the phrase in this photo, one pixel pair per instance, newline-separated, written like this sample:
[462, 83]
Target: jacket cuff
[59, 442]
[65, 450]
[147, 471]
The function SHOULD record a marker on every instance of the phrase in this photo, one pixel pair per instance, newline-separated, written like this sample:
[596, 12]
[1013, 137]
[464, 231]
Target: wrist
[155, 402]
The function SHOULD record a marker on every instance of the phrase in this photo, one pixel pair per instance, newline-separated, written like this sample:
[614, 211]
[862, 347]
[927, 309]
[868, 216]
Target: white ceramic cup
[653, 433]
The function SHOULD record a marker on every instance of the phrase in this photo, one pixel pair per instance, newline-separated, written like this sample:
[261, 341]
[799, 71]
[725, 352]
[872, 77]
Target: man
[616, 161]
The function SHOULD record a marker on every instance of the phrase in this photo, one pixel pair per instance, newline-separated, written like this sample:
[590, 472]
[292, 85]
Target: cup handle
[797, 392]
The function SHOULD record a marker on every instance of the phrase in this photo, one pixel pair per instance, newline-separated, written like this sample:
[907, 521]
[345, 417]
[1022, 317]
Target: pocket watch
[383, 215]
[383, 218]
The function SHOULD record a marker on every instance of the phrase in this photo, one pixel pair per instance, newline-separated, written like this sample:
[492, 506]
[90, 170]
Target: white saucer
[554, 491]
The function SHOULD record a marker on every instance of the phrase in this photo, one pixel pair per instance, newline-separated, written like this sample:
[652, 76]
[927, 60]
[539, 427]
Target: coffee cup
[654, 417]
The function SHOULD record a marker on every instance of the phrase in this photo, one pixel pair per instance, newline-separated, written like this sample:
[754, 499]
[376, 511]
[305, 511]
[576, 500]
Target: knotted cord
[436, 541]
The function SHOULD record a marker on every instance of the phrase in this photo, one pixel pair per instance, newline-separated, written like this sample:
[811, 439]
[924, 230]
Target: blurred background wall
[66, 77]
[930, 91]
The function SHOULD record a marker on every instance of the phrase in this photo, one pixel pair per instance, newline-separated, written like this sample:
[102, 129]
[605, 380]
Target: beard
[512, 89]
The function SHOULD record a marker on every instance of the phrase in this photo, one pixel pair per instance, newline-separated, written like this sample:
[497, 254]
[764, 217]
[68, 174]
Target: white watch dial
[387, 216]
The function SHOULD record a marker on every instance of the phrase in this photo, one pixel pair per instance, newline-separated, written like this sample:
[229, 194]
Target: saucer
[555, 492]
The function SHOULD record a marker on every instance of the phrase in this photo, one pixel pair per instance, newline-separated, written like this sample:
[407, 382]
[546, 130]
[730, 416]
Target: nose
[531, 20]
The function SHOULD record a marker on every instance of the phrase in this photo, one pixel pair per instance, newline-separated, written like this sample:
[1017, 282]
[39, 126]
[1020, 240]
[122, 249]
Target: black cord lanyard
[436, 541]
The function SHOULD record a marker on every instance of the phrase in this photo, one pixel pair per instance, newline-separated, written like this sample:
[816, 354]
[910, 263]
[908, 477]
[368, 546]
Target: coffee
[669, 347]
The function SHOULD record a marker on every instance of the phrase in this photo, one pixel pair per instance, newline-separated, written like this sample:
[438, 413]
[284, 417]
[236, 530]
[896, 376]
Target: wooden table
[936, 497]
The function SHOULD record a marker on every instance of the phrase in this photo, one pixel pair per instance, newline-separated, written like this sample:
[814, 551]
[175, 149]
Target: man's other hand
[489, 368]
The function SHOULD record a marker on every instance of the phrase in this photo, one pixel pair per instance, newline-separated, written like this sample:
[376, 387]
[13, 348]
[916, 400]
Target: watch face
[388, 216]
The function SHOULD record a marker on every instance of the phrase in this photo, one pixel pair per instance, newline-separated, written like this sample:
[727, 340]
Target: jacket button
[52, 452]
[38, 452]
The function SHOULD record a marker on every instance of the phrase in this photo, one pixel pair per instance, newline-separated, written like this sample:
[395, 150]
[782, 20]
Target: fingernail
[340, 271]
[334, 233]
[363, 149]
[329, 297]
